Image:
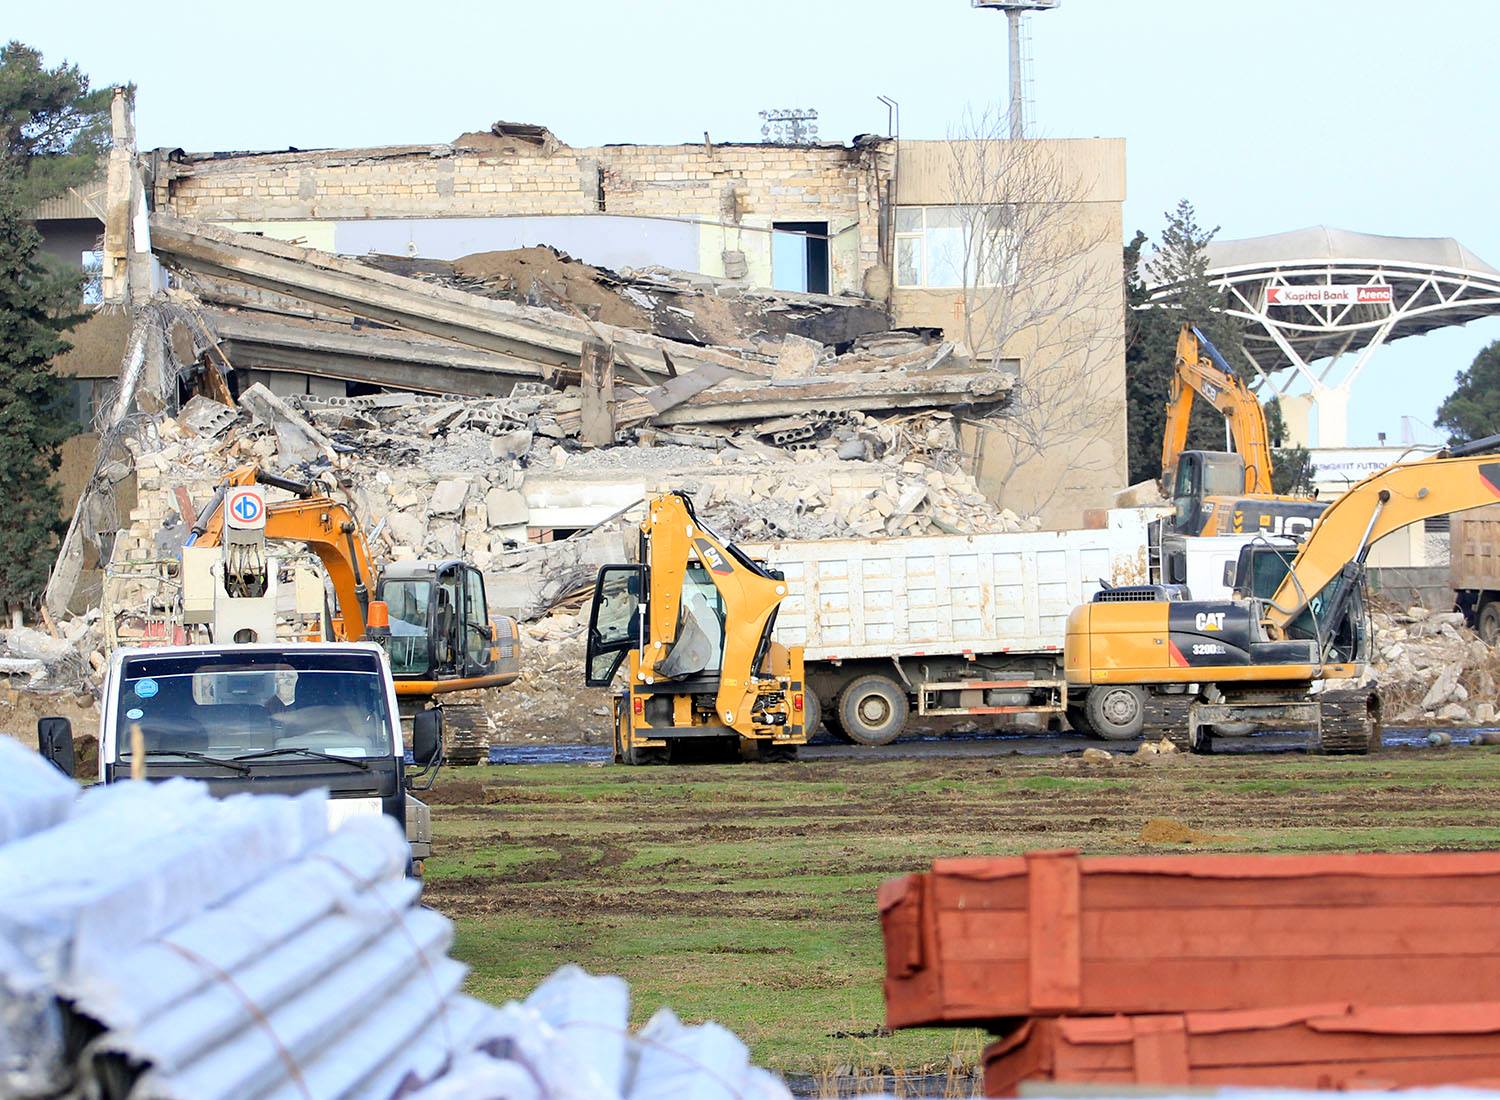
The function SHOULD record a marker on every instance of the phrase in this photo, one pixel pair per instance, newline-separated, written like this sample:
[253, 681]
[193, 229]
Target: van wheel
[1117, 712]
[873, 710]
[1488, 626]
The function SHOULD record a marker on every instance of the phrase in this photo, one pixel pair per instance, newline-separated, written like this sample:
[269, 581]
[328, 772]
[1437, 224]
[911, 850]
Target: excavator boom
[1384, 502]
[1202, 372]
[325, 525]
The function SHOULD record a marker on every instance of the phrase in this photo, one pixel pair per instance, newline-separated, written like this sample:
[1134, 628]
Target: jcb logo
[1292, 525]
[1287, 526]
[1209, 620]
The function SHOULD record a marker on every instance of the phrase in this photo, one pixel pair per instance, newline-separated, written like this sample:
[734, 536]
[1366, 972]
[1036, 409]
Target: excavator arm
[1202, 372]
[673, 537]
[324, 524]
[1454, 481]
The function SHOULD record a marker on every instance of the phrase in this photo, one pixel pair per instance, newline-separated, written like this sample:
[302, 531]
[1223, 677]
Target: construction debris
[1432, 669]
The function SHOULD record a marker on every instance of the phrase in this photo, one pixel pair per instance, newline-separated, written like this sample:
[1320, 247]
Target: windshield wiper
[262, 753]
[191, 754]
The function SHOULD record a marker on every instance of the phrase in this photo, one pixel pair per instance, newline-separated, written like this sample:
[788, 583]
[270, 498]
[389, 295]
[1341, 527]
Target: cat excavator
[1223, 492]
[1288, 649]
[431, 617]
[691, 623]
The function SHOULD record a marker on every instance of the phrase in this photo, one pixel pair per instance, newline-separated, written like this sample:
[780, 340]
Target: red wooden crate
[1050, 933]
[1315, 1047]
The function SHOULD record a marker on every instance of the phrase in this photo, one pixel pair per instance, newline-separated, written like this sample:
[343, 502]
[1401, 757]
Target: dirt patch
[19, 711]
[1168, 830]
[545, 277]
[455, 792]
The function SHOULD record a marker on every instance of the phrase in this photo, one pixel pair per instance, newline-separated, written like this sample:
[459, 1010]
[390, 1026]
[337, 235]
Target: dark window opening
[799, 256]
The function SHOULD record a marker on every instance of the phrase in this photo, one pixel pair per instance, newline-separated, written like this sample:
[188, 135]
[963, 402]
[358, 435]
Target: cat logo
[1209, 620]
[712, 558]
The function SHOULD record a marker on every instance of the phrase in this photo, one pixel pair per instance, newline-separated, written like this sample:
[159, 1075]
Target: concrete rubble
[514, 409]
[1432, 669]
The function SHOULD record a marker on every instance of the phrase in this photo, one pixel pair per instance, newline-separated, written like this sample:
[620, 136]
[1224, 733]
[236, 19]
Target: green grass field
[746, 894]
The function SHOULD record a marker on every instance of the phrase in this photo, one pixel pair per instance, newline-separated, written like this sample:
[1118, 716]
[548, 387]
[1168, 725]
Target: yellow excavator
[1144, 659]
[431, 617]
[1223, 492]
[691, 623]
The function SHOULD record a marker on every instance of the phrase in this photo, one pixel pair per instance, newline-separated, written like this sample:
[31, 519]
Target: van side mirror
[427, 736]
[1230, 572]
[54, 740]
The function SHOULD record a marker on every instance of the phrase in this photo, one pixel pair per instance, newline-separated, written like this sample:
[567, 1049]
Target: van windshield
[225, 704]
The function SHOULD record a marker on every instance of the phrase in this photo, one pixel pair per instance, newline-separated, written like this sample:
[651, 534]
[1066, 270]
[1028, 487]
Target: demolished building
[875, 226]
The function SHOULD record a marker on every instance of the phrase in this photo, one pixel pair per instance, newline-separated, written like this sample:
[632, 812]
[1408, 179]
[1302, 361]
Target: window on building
[93, 276]
[799, 256]
[953, 246]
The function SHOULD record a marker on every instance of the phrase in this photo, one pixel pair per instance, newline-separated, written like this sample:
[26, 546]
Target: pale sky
[1371, 115]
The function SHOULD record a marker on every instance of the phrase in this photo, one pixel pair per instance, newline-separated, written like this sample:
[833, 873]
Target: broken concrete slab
[448, 498]
[797, 358]
[206, 417]
[506, 508]
[296, 439]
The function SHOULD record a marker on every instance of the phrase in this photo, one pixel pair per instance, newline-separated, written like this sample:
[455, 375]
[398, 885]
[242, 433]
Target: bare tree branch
[1036, 284]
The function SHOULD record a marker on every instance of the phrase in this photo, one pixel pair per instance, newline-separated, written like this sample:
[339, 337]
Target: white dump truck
[268, 718]
[946, 625]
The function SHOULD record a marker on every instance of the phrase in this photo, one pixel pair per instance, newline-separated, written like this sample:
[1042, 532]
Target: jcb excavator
[1144, 658]
[692, 625]
[430, 616]
[1223, 492]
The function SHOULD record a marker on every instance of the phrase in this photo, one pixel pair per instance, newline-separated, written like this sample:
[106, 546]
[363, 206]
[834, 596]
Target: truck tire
[812, 713]
[1487, 626]
[1079, 720]
[873, 710]
[1116, 712]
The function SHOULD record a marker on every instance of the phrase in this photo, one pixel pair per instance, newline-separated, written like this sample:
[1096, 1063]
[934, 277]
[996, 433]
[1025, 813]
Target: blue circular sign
[246, 508]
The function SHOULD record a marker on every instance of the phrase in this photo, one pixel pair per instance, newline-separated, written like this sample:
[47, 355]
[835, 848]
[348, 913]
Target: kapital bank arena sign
[1341, 295]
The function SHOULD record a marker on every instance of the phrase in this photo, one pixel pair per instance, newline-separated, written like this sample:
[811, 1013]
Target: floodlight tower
[1014, 10]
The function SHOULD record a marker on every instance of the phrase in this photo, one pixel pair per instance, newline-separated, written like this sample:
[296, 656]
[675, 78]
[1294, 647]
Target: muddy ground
[747, 894]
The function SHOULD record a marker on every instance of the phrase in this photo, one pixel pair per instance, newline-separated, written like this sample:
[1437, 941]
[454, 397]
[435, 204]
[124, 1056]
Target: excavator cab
[1337, 618]
[1201, 475]
[440, 627]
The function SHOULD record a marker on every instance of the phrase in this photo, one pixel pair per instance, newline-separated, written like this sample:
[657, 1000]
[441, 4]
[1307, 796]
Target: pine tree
[1472, 410]
[52, 133]
[1181, 261]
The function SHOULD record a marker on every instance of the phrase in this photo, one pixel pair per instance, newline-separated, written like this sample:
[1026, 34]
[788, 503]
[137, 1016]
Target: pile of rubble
[1433, 669]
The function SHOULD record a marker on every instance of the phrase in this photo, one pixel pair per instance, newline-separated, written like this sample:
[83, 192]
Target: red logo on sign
[1377, 295]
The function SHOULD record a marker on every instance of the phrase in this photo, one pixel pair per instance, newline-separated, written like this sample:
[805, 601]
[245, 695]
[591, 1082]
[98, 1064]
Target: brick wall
[746, 186]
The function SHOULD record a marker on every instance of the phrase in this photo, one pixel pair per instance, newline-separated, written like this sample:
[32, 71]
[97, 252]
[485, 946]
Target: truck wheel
[1488, 626]
[1116, 713]
[873, 710]
[1079, 720]
[812, 713]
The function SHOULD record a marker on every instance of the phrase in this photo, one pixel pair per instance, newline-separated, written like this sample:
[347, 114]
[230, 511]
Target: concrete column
[1296, 415]
[1332, 403]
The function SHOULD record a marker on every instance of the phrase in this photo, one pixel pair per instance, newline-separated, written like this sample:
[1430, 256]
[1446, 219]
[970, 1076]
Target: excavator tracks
[1351, 723]
[465, 733]
[1167, 716]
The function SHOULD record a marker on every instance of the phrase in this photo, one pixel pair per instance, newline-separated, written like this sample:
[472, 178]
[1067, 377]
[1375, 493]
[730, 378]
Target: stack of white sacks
[160, 944]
